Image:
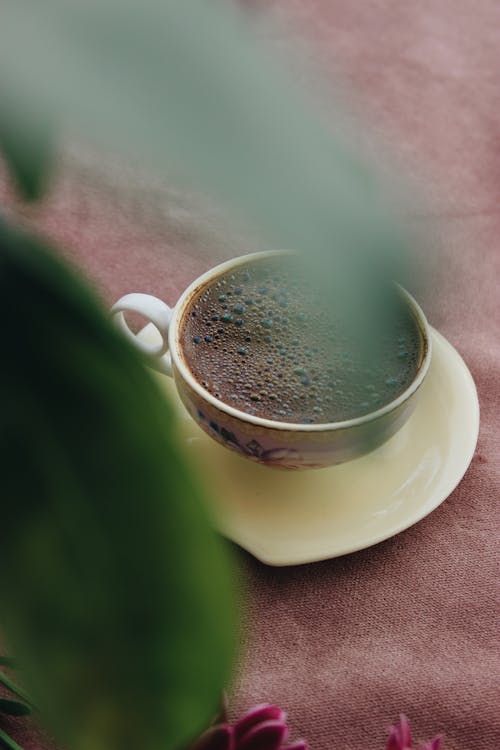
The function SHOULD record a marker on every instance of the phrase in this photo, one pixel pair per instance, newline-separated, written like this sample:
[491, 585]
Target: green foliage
[8, 741]
[187, 87]
[8, 683]
[115, 592]
[13, 707]
[26, 142]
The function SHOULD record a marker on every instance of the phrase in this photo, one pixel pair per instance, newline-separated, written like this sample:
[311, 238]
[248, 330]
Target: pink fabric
[409, 625]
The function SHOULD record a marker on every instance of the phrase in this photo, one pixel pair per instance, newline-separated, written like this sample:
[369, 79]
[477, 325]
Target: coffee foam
[257, 339]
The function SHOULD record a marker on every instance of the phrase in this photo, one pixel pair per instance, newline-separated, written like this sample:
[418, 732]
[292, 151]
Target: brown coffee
[258, 339]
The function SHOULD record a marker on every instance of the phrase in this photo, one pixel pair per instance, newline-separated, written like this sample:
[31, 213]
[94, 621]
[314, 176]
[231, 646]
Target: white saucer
[294, 517]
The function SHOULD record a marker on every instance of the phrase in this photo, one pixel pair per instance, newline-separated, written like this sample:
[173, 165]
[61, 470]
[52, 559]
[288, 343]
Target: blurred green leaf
[8, 742]
[13, 687]
[8, 661]
[13, 707]
[116, 594]
[25, 141]
[188, 87]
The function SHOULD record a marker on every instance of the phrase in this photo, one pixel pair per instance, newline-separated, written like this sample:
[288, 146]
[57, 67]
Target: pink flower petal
[399, 735]
[219, 737]
[299, 745]
[393, 742]
[434, 744]
[404, 731]
[267, 735]
[256, 715]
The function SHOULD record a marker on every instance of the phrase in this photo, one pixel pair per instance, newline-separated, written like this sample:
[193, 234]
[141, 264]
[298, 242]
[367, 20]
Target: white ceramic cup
[273, 443]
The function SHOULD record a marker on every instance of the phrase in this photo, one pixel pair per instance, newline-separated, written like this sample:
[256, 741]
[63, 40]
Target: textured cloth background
[408, 625]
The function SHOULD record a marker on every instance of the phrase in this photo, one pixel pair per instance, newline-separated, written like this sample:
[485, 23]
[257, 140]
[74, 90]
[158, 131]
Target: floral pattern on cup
[278, 457]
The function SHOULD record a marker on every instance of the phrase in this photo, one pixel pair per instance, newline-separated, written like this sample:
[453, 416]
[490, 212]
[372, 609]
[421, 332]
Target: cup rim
[181, 366]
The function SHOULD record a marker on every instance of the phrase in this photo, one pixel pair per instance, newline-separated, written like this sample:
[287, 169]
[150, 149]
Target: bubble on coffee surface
[258, 339]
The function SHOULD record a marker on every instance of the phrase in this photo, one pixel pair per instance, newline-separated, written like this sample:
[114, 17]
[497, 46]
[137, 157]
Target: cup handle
[159, 314]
